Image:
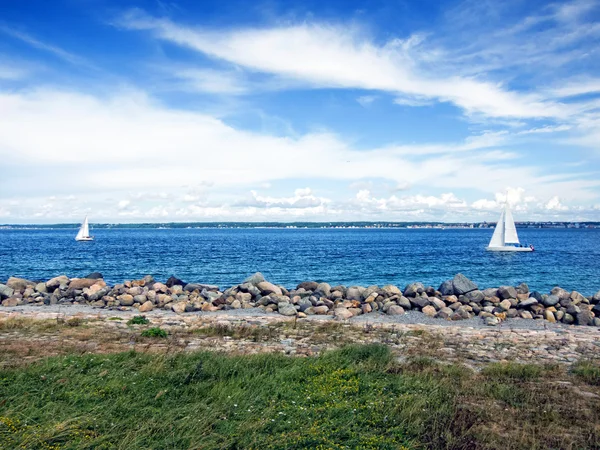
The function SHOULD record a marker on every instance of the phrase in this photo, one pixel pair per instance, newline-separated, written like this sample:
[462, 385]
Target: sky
[177, 111]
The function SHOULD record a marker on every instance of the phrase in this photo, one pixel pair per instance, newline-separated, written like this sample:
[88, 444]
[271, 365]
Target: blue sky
[308, 110]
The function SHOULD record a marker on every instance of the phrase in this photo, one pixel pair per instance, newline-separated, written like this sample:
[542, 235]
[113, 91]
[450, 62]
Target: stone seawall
[455, 299]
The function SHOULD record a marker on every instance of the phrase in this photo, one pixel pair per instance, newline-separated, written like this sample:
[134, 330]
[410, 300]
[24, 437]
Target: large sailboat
[84, 232]
[505, 238]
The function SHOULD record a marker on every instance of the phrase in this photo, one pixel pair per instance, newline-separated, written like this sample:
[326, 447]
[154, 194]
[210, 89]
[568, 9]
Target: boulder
[490, 292]
[413, 289]
[390, 290]
[523, 288]
[178, 307]
[585, 317]
[19, 284]
[6, 291]
[267, 288]
[525, 315]
[308, 285]
[429, 311]
[41, 288]
[462, 284]
[549, 316]
[444, 313]
[596, 297]
[191, 287]
[505, 305]
[446, 288]
[323, 289]
[321, 310]
[255, 279]
[11, 302]
[505, 292]
[437, 303]
[94, 276]
[61, 280]
[568, 319]
[404, 302]
[491, 321]
[527, 303]
[173, 281]
[560, 293]
[551, 300]
[354, 293]
[342, 313]
[577, 298]
[160, 288]
[395, 310]
[146, 306]
[125, 299]
[82, 283]
[420, 302]
[476, 296]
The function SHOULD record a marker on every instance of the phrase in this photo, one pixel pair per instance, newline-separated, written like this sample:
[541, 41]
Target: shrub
[154, 332]
[138, 320]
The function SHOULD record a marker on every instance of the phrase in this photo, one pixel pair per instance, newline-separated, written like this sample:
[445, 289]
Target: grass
[356, 397]
[588, 371]
[138, 320]
[154, 332]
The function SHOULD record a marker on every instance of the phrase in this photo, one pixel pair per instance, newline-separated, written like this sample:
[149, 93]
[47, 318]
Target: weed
[138, 320]
[154, 332]
[588, 372]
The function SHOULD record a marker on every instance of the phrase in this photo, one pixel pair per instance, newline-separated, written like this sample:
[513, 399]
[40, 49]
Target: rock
[125, 299]
[444, 313]
[146, 306]
[255, 279]
[354, 293]
[568, 319]
[366, 308]
[596, 309]
[492, 321]
[321, 310]
[308, 285]
[585, 317]
[176, 289]
[173, 281]
[461, 313]
[549, 316]
[19, 284]
[446, 288]
[395, 310]
[41, 288]
[236, 304]
[191, 287]
[342, 313]
[525, 315]
[526, 303]
[437, 303]
[94, 276]
[476, 296]
[12, 301]
[324, 289]
[56, 282]
[506, 292]
[6, 291]
[81, 283]
[596, 322]
[419, 302]
[404, 302]
[560, 293]
[577, 298]
[461, 284]
[140, 299]
[596, 297]
[523, 288]
[535, 294]
[551, 300]
[178, 307]
[505, 305]
[267, 288]
[160, 288]
[413, 289]
[429, 311]
[390, 289]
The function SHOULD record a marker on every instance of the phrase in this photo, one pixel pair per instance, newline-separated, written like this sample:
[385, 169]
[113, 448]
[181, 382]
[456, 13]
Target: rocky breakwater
[455, 299]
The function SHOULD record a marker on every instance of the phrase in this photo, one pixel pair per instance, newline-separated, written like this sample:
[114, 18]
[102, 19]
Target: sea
[569, 258]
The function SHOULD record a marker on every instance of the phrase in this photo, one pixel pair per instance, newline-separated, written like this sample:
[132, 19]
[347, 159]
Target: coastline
[454, 300]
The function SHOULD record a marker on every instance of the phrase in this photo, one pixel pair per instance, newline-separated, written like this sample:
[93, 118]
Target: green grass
[154, 332]
[138, 320]
[588, 372]
[357, 397]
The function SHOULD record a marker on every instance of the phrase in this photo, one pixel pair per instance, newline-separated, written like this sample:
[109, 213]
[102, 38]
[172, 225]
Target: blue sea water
[566, 257]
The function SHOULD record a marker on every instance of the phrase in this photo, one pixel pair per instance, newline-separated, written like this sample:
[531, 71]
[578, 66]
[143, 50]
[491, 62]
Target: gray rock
[526, 303]
[419, 302]
[505, 305]
[446, 288]
[41, 287]
[568, 319]
[462, 284]
[560, 293]
[354, 293]
[444, 313]
[308, 285]
[437, 303]
[342, 313]
[94, 276]
[596, 322]
[6, 291]
[523, 288]
[324, 289]
[190, 287]
[585, 317]
[140, 299]
[491, 321]
[125, 299]
[490, 292]
[404, 302]
[413, 289]
[267, 288]
[535, 294]
[596, 297]
[577, 298]
[174, 281]
[390, 290]
[505, 292]
[475, 296]
[596, 309]
[61, 280]
[19, 284]
[395, 310]
[255, 279]
[550, 300]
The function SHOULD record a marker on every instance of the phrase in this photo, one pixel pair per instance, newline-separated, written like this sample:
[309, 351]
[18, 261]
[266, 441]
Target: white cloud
[554, 204]
[366, 100]
[303, 198]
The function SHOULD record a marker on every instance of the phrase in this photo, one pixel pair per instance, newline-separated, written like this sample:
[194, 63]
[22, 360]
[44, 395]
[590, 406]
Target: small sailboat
[84, 232]
[505, 238]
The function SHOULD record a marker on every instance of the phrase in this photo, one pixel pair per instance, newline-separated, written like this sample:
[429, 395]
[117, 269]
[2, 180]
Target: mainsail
[510, 231]
[84, 231]
[498, 236]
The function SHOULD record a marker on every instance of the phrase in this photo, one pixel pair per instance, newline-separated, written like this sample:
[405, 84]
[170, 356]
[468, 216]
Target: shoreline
[454, 300]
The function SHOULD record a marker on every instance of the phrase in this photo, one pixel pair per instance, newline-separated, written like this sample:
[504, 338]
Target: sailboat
[84, 232]
[505, 238]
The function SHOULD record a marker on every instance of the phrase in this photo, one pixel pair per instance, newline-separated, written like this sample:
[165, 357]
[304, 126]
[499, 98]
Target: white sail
[84, 231]
[498, 236]
[510, 231]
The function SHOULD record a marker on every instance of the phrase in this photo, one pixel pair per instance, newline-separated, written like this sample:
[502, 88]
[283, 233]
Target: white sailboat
[505, 238]
[84, 232]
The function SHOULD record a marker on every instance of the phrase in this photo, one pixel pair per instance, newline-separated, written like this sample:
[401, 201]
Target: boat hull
[509, 249]
[90, 238]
